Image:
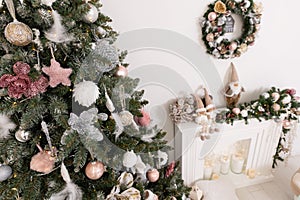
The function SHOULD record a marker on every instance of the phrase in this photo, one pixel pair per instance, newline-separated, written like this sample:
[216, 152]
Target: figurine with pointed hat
[234, 89]
[210, 106]
[200, 111]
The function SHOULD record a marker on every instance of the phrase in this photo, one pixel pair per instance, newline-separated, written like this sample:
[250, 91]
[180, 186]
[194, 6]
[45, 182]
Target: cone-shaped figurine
[234, 89]
[208, 102]
[201, 111]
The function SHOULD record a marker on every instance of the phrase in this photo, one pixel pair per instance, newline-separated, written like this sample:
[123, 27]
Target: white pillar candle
[217, 167]
[237, 164]
[207, 172]
[225, 164]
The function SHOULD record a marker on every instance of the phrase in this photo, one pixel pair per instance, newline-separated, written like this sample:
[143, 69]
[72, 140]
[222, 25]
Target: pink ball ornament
[210, 37]
[233, 46]
[122, 71]
[153, 175]
[143, 121]
[212, 16]
[275, 96]
[94, 170]
[286, 124]
[236, 111]
[276, 107]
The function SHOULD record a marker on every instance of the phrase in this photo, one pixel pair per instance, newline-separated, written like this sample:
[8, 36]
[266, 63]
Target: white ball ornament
[266, 95]
[129, 159]
[247, 4]
[126, 118]
[287, 99]
[212, 16]
[5, 172]
[22, 135]
[244, 113]
[86, 93]
[92, 15]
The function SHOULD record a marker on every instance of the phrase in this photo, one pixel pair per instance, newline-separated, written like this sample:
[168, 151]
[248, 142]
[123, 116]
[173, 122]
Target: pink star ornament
[57, 74]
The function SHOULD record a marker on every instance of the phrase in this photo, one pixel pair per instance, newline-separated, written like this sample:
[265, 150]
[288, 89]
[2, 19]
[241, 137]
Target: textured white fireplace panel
[263, 137]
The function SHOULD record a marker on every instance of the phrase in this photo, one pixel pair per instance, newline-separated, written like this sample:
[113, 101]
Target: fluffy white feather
[47, 2]
[71, 191]
[148, 137]
[57, 33]
[5, 126]
[86, 93]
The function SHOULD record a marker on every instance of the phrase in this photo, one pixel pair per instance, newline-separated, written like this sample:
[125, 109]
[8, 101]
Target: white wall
[272, 61]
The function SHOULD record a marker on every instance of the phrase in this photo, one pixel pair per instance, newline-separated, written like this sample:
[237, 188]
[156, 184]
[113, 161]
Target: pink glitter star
[57, 74]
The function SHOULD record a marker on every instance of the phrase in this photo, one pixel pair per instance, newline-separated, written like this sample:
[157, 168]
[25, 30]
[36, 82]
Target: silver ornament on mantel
[17, 33]
[92, 15]
[22, 135]
[5, 172]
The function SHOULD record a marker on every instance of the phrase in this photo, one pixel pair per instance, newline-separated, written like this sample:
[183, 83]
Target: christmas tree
[72, 124]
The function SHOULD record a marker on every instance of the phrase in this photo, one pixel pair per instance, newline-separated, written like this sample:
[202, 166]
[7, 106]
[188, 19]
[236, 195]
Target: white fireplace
[260, 140]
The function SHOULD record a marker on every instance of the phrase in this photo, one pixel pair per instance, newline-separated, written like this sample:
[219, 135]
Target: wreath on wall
[218, 21]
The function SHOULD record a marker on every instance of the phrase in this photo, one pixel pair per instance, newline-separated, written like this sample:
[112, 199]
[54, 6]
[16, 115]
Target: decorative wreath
[218, 21]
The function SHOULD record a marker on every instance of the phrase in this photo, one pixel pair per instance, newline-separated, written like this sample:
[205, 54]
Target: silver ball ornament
[5, 172]
[22, 135]
[92, 15]
[18, 33]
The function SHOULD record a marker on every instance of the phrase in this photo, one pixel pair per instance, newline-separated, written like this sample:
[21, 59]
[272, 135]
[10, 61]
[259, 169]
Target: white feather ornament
[47, 2]
[140, 165]
[86, 93]
[57, 33]
[5, 126]
[71, 191]
[148, 137]
[119, 126]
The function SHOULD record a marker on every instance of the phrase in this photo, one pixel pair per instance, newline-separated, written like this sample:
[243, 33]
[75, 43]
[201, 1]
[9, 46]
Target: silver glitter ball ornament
[5, 172]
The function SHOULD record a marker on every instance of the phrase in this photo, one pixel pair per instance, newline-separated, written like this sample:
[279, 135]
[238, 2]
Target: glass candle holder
[208, 170]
